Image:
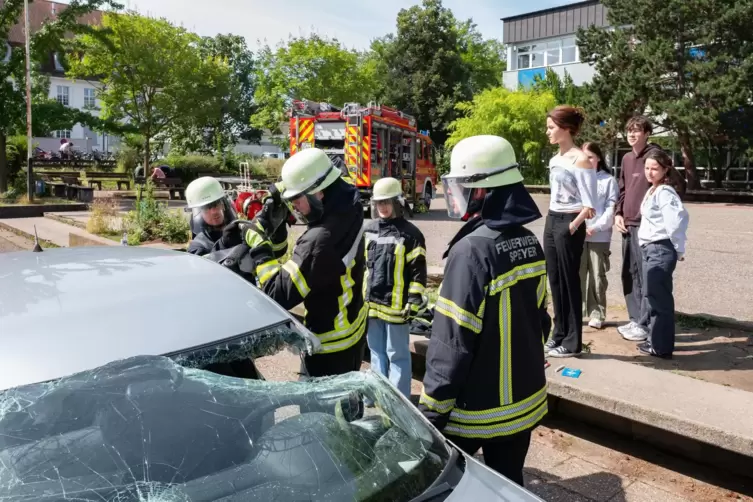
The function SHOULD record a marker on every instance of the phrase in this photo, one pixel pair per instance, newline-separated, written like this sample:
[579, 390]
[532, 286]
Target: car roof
[72, 309]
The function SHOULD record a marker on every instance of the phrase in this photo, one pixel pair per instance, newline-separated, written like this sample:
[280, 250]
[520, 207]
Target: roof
[72, 309]
[41, 11]
[567, 6]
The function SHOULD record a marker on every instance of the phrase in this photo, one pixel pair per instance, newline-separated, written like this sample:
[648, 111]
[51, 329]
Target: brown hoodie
[633, 185]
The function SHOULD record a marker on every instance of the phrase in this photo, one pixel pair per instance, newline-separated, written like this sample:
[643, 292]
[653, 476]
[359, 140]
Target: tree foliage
[47, 114]
[485, 59]
[518, 116]
[151, 74]
[315, 68]
[686, 62]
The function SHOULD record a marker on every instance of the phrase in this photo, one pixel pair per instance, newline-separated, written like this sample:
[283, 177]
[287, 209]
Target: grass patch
[693, 322]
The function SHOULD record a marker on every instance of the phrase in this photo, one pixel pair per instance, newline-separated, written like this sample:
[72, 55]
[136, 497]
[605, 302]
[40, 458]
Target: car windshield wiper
[439, 486]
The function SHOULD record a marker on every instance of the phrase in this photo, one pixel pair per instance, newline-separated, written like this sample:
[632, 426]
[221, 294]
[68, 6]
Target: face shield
[307, 207]
[387, 209]
[457, 197]
[212, 217]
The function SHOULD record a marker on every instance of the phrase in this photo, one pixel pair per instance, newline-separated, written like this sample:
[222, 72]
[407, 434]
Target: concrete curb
[38, 210]
[43, 242]
[435, 275]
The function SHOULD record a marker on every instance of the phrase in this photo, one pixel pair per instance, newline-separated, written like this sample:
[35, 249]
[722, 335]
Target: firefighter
[211, 211]
[484, 385]
[395, 282]
[326, 269]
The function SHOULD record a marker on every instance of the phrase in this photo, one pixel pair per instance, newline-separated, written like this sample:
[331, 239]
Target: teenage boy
[633, 187]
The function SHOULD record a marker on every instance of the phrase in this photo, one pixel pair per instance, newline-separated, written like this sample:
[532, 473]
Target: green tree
[518, 116]
[425, 71]
[686, 62]
[231, 120]
[484, 58]
[151, 74]
[47, 114]
[315, 68]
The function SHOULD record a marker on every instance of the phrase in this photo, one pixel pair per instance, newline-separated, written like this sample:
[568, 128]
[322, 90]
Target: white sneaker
[626, 328]
[595, 323]
[637, 334]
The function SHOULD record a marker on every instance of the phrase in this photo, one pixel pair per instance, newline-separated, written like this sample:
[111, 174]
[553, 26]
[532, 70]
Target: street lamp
[29, 173]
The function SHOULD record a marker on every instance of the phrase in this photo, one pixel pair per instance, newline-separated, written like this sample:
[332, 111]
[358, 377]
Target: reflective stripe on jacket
[395, 268]
[485, 363]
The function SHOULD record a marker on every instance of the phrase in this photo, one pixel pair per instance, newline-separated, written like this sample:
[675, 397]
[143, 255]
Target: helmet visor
[387, 208]
[456, 196]
[306, 208]
[213, 215]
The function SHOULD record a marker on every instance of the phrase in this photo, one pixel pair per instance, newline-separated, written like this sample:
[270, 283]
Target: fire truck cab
[368, 143]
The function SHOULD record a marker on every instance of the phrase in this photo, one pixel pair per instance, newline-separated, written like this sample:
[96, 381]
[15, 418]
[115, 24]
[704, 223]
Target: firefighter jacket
[395, 269]
[325, 271]
[485, 362]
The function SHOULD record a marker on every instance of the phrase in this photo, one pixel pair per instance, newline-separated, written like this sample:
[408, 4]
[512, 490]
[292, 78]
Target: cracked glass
[167, 429]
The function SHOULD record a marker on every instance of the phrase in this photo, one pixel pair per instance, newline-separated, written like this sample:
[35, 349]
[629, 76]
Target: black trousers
[632, 276]
[506, 455]
[659, 262]
[563, 251]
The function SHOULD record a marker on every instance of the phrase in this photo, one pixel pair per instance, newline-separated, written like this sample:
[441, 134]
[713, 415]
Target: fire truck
[368, 143]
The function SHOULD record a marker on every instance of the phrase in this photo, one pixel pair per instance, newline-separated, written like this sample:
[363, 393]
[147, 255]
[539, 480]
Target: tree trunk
[3, 164]
[688, 162]
[147, 155]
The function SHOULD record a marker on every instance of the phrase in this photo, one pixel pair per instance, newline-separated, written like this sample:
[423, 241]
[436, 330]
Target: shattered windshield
[149, 429]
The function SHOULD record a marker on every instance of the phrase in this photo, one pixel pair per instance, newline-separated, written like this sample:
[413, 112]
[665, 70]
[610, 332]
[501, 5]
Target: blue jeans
[390, 352]
[659, 262]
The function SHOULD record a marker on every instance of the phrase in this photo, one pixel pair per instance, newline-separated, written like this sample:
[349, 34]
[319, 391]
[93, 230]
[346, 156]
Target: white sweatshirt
[663, 217]
[572, 187]
[606, 199]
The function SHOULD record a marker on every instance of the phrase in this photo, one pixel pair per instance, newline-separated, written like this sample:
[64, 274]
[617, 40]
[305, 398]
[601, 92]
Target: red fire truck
[368, 143]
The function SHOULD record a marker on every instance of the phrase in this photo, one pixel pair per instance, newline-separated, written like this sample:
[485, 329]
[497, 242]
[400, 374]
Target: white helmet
[387, 189]
[307, 172]
[478, 162]
[303, 175]
[203, 191]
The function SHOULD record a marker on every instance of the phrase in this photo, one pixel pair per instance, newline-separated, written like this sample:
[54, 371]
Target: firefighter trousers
[506, 455]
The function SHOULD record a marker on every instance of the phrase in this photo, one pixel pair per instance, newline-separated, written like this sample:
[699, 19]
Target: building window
[548, 53]
[90, 101]
[62, 134]
[64, 93]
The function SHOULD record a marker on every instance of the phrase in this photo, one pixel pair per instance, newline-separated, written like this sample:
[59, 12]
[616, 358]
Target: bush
[104, 218]
[128, 158]
[266, 168]
[188, 167]
[152, 220]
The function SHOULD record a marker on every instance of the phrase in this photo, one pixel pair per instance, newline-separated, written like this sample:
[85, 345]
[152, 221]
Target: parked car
[128, 374]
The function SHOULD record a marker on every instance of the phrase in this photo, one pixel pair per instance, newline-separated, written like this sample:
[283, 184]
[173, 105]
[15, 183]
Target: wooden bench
[97, 178]
[174, 187]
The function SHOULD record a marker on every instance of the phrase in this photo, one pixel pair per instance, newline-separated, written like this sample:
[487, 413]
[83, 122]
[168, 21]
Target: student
[662, 236]
[395, 283]
[572, 180]
[594, 263]
[632, 187]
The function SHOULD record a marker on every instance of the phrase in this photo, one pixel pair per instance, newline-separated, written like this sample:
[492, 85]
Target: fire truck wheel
[427, 197]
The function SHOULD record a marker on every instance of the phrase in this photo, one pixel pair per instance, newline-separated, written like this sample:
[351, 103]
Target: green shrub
[266, 168]
[104, 217]
[127, 159]
[152, 220]
[188, 167]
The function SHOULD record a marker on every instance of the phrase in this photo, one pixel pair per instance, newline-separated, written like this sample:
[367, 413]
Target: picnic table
[96, 178]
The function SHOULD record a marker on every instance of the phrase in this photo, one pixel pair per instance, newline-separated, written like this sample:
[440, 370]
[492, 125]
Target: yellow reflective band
[347, 283]
[502, 413]
[541, 290]
[519, 273]
[397, 288]
[419, 251]
[438, 406]
[337, 334]
[503, 429]
[280, 246]
[253, 239]
[266, 271]
[355, 333]
[297, 277]
[505, 352]
[374, 313]
[460, 316]
[416, 288]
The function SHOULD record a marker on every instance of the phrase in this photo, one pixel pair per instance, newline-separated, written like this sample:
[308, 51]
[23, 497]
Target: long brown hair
[671, 176]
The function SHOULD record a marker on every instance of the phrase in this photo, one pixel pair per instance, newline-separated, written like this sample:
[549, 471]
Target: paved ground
[10, 242]
[572, 463]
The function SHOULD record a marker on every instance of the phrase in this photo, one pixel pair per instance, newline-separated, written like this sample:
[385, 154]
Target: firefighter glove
[232, 235]
[254, 233]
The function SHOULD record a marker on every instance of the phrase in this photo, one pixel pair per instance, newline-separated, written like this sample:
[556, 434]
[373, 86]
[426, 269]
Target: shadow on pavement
[597, 486]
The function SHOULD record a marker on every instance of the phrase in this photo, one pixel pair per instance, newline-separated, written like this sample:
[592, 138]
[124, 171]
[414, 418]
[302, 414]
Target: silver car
[128, 374]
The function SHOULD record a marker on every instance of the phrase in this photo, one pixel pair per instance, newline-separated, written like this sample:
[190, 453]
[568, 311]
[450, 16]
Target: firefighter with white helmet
[395, 282]
[326, 270]
[211, 211]
[484, 384]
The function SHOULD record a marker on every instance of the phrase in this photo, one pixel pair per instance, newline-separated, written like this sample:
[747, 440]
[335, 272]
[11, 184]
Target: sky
[354, 22]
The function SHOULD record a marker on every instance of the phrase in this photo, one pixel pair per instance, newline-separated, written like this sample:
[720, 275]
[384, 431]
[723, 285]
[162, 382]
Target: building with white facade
[547, 39]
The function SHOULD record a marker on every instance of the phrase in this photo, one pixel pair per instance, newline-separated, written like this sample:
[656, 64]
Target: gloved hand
[232, 234]
[406, 314]
[254, 233]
